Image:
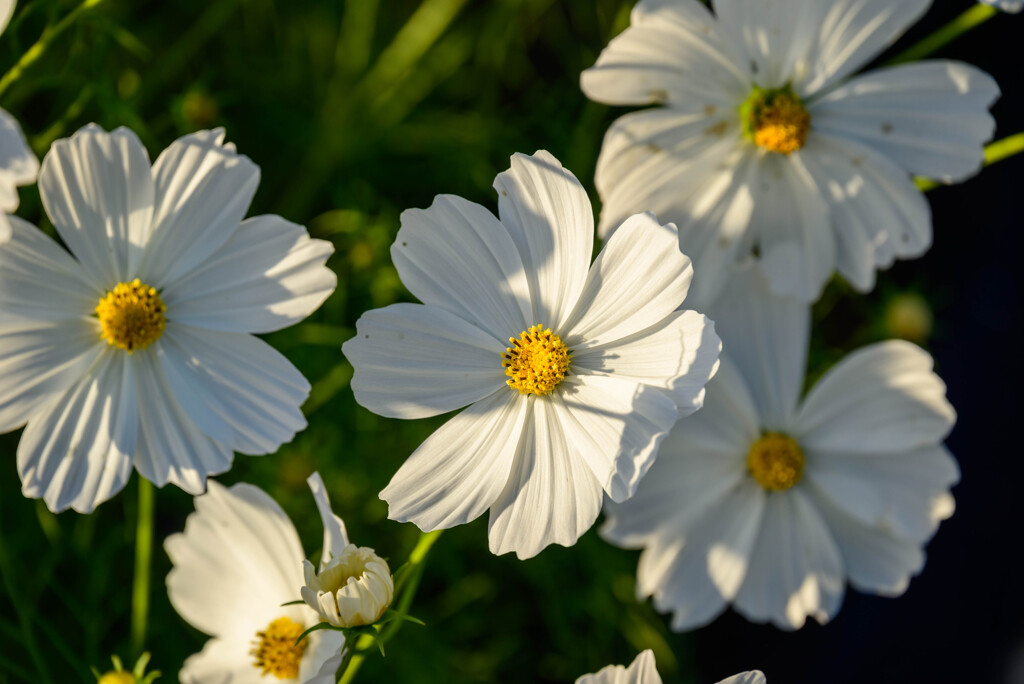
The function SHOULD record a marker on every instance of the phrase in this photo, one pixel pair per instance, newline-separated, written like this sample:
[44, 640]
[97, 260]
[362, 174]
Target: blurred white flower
[770, 502]
[352, 589]
[136, 348]
[238, 560]
[765, 148]
[1006, 5]
[643, 671]
[573, 372]
[18, 164]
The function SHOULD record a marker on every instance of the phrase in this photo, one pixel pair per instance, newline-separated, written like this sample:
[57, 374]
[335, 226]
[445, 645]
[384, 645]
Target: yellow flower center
[536, 362]
[775, 120]
[776, 461]
[275, 650]
[131, 316]
[117, 677]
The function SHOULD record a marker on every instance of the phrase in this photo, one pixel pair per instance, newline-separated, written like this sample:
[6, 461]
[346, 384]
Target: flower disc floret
[352, 589]
[117, 677]
[275, 649]
[776, 461]
[132, 316]
[536, 362]
[775, 120]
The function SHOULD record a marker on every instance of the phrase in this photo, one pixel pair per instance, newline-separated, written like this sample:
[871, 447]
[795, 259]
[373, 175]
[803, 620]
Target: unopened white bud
[353, 588]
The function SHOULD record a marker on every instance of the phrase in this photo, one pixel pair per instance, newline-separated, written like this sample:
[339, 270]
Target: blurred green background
[354, 111]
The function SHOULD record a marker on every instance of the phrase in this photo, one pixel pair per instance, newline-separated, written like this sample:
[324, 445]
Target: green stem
[994, 152]
[143, 556]
[37, 50]
[973, 17]
[408, 592]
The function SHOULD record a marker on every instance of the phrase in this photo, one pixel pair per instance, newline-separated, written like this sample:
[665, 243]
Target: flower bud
[353, 588]
[117, 677]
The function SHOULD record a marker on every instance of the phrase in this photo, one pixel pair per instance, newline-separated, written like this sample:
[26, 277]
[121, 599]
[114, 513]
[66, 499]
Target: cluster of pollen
[776, 121]
[776, 461]
[131, 316]
[536, 362]
[275, 651]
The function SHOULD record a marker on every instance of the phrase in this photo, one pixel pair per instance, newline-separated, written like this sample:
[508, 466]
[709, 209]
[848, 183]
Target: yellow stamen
[776, 120]
[536, 362]
[275, 650]
[131, 316]
[776, 461]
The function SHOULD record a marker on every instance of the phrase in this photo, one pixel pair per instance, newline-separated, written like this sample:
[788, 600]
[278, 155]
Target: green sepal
[316, 628]
[140, 666]
[96, 673]
[297, 602]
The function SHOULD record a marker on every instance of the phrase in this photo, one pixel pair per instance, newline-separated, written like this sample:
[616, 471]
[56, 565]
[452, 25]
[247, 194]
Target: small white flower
[136, 348]
[238, 560]
[352, 589]
[766, 148]
[18, 164]
[769, 502]
[573, 373]
[643, 671]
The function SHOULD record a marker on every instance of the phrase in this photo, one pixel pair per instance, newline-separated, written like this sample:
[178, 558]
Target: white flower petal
[18, 164]
[642, 670]
[414, 361]
[548, 214]
[766, 337]
[883, 398]
[672, 52]
[222, 661]
[203, 190]
[322, 658]
[97, 189]
[77, 452]
[460, 470]
[614, 426]
[1006, 5]
[795, 570]
[335, 534]
[237, 561]
[903, 493]
[236, 388]
[6, 10]
[851, 33]
[680, 355]
[637, 280]
[551, 497]
[171, 448]
[931, 118]
[878, 213]
[457, 256]
[752, 677]
[270, 274]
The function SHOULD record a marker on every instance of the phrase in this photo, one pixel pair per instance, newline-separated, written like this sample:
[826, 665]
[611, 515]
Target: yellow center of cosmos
[776, 461]
[131, 316]
[776, 120]
[536, 362]
[275, 651]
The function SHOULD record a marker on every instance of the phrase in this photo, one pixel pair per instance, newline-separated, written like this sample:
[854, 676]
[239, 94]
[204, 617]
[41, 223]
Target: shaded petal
[931, 118]
[269, 275]
[614, 426]
[459, 471]
[97, 189]
[203, 190]
[641, 671]
[6, 10]
[796, 569]
[322, 659]
[335, 534]
[172, 448]
[18, 164]
[680, 355]
[77, 452]
[551, 496]
[414, 361]
[883, 398]
[672, 52]
[222, 661]
[752, 677]
[548, 214]
[638, 279]
[457, 256]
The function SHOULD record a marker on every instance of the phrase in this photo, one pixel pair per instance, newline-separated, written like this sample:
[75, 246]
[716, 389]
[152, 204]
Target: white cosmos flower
[643, 671]
[135, 348]
[18, 164]
[599, 367]
[766, 147]
[238, 560]
[770, 502]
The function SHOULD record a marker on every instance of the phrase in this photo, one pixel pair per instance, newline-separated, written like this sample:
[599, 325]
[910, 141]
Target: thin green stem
[410, 583]
[143, 556]
[41, 45]
[973, 17]
[994, 152]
